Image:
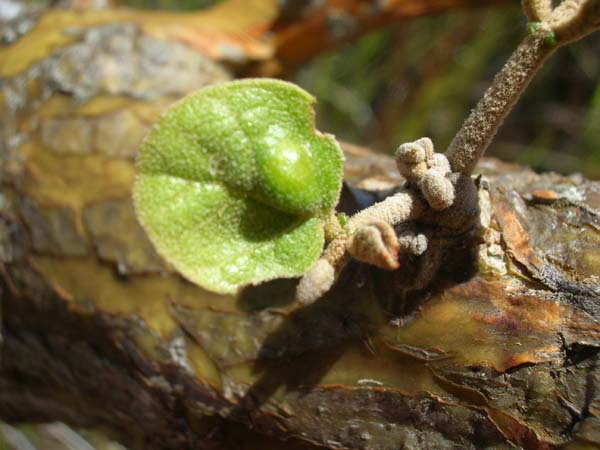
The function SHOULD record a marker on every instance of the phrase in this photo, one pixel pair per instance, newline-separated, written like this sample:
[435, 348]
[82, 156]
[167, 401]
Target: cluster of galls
[428, 171]
[451, 197]
[433, 195]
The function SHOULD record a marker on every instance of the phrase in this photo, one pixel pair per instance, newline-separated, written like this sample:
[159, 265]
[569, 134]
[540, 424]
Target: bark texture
[498, 349]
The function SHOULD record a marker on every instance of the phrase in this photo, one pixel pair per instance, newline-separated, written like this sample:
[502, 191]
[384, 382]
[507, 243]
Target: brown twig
[570, 20]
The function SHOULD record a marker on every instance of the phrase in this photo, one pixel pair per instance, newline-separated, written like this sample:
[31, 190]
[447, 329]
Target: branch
[538, 10]
[575, 19]
[571, 20]
[476, 133]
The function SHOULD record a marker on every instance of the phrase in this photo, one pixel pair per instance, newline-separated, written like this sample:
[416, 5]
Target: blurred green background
[421, 78]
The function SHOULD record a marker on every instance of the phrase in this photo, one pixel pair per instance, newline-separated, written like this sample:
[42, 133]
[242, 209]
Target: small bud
[411, 153]
[412, 172]
[316, 281]
[376, 244]
[427, 145]
[534, 27]
[437, 190]
[415, 244]
[333, 227]
[440, 163]
[550, 39]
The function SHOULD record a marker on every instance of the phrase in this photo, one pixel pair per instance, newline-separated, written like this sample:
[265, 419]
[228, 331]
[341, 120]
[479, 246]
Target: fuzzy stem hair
[476, 133]
[538, 10]
[569, 21]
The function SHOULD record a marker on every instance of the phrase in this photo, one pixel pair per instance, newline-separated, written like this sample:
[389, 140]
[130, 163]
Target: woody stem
[478, 130]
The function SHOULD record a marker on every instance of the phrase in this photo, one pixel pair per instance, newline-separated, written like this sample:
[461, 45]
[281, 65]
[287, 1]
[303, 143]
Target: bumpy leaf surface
[234, 184]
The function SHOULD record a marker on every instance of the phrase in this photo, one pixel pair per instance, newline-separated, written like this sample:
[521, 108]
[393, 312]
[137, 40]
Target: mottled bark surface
[497, 350]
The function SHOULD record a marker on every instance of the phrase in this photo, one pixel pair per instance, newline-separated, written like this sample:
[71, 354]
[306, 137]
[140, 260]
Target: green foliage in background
[422, 77]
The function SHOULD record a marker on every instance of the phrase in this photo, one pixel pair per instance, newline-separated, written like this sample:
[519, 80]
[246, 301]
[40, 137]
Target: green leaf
[234, 184]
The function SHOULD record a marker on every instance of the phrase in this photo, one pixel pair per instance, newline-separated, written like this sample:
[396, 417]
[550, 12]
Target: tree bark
[497, 349]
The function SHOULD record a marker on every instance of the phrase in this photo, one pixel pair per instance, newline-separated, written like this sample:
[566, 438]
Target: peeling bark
[498, 350]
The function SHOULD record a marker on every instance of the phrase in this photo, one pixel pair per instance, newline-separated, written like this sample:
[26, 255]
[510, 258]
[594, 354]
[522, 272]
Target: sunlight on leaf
[234, 184]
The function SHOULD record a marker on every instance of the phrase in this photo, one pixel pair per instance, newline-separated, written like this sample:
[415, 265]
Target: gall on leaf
[235, 184]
